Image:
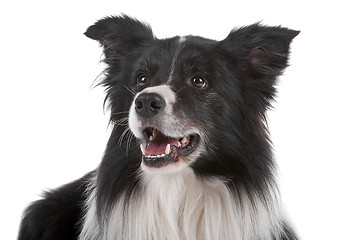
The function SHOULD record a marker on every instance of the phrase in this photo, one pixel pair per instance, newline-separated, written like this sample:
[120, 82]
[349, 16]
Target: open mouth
[161, 150]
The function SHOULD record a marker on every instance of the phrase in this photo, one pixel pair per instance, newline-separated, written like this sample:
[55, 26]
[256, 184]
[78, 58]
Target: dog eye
[198, 82]
[141, 80]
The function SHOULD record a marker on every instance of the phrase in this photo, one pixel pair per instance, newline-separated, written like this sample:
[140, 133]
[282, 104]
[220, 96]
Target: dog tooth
[184, 140]
[167, 150]
[162, 155]
[151, 138]
[142, 147]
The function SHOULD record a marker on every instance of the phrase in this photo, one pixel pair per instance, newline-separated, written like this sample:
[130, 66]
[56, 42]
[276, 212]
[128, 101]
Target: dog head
[191, 97]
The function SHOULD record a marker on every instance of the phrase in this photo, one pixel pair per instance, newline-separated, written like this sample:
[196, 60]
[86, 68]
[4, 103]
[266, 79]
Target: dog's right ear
[119, 34]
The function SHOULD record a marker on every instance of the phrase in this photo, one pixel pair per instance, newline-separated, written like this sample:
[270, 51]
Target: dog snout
[149, 104]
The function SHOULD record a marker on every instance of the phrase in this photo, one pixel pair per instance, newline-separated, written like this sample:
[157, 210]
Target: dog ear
[261, 50]
[119, 34]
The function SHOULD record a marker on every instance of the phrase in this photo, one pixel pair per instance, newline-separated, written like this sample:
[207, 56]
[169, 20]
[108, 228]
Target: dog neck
[183, 206]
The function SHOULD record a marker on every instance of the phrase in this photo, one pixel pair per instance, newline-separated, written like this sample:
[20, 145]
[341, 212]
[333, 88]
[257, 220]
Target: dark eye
[141, 80]
[198, 82]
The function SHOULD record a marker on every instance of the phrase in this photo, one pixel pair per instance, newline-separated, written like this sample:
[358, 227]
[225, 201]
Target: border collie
[189, 156]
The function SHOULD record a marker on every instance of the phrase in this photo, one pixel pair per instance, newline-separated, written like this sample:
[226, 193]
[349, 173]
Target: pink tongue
[158, 145]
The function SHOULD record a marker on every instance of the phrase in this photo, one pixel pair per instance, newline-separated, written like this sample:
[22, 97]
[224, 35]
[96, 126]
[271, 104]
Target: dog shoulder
[56, 215]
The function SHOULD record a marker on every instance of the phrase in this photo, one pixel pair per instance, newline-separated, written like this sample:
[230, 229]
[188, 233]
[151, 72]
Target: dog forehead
[184, 46]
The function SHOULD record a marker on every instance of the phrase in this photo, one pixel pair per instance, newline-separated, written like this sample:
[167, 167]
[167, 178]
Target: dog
[189, 156]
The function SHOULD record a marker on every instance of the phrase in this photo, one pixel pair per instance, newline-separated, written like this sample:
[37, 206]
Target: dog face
[175, 103]
[191, 96]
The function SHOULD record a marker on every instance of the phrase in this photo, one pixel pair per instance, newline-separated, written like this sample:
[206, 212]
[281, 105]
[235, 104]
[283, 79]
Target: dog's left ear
[260, 50]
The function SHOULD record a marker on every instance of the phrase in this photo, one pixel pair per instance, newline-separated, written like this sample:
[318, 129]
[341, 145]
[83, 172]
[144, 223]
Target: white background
[53, 128]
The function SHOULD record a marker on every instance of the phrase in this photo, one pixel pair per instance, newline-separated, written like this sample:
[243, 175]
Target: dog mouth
[160, 150]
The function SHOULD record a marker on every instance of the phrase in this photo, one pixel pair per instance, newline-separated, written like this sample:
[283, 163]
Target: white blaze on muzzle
[164, 91]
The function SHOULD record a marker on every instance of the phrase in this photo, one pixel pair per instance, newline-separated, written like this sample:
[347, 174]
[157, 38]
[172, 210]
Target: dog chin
[177, 166]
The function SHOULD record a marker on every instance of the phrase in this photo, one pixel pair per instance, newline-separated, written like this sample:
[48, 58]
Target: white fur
[183, 206]
[165, 92]
[181, 40]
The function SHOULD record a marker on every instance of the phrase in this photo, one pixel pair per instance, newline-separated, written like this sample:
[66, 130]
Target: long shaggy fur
[226, 188]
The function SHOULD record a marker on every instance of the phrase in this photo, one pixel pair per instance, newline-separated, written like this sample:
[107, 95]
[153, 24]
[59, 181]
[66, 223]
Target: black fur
[241, 72]
[57, 215]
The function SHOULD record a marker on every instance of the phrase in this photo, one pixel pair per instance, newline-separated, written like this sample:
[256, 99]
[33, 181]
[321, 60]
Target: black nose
[149, 104]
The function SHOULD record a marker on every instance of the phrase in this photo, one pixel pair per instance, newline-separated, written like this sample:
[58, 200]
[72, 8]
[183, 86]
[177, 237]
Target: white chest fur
[183, 206]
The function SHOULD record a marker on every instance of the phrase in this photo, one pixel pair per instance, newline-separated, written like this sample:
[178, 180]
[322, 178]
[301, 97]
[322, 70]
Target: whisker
[180, 89]
[130, 136]
[120, 113]
[132, 92]
[122, 135]
[122, 121]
